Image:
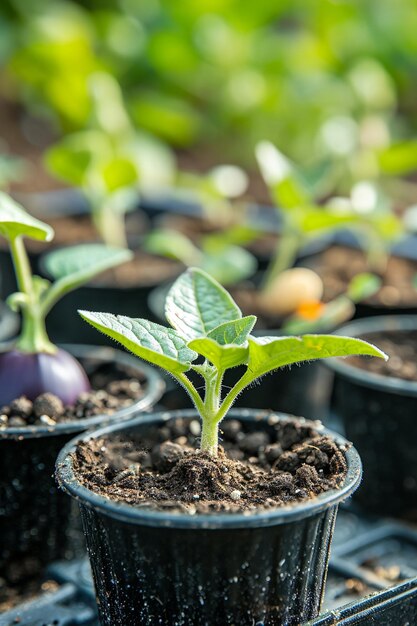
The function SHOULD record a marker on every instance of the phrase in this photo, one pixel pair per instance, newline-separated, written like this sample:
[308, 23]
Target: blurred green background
[332, 82]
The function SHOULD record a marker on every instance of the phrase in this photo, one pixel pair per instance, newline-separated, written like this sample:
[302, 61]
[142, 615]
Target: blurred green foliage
[331, 81]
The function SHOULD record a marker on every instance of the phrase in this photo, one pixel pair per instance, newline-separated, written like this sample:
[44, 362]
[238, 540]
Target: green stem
[189, 387]
[284, 257]
[227, 403]
[33, 337]
[111, 225]
[210, 436]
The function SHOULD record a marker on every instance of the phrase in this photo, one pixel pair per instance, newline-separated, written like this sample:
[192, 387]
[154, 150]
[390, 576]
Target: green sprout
[71, 267]
[208, 335]
[109, 161]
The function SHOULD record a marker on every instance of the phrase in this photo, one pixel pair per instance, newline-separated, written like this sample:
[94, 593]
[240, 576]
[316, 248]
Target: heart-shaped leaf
[235, 332]
[221, 356]
[269, 353]
[79, 264]
[15, 221]
[152, 342]
[196, 304]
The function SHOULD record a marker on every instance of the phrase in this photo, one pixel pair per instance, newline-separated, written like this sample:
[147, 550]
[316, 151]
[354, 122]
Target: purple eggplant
[23, 374]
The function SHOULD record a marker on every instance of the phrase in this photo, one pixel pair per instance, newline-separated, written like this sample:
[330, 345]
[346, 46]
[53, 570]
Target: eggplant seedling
[109, 161]
[33, 364]
[208, 335]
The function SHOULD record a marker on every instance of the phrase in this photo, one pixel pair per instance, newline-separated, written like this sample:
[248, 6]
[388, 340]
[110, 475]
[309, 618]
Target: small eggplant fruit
[30, 375]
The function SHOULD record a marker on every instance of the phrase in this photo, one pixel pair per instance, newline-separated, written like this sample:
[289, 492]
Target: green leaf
[118, 173]
[269, 353]
[281, 177]
[400, 158]
[71, 158]
[228, 265]
[235, 332]
[363, 286]
[15, 221]
[317, 219]
[221, 356]
[196, 304]
[152, 342]
[172, 244]
[81, 263]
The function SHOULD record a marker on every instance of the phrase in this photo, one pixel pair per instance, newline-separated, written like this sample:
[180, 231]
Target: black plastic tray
[363, 548]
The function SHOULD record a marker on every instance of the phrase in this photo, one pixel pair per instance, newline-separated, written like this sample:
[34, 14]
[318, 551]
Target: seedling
[34, 365]
[208, 335]
[109, 161]
[226, 262]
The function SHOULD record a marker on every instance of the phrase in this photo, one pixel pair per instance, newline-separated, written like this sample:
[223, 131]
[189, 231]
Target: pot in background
[378, 414]
[39, 524]
[164, 568]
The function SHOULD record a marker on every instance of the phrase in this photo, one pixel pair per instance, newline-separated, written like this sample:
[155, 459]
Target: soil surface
[279, 464]
[109, 394]
[401, 347]
[338, 265]
[145, 270]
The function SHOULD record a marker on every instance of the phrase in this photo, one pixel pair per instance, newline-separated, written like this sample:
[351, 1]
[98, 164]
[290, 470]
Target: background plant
[72, 267]
[225, 76]
[208, 335]
[110, 161]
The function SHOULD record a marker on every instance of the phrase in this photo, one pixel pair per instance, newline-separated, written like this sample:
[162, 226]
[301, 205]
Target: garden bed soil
[401, 347]
[255, 470]
[111, 392]
[338, 265]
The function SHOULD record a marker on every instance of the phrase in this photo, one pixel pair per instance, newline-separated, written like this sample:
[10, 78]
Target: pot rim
[362, 377]
[146, 517]
[155, 387]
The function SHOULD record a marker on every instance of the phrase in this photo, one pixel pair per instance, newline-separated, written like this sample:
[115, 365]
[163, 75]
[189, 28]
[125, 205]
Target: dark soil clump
[109, 394]
[282, 464]
[401, 347]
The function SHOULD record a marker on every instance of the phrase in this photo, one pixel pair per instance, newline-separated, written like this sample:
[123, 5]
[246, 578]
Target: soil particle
[401, 347]
[275, 465]
[49, 405]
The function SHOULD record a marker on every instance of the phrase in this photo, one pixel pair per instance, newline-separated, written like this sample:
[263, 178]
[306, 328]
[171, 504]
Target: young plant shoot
[208, 335]
[34, 365]
[109, 161]
[226, 262]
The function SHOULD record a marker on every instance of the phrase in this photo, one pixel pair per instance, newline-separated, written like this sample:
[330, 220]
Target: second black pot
[218, 570]
[378, 414]
[38, 522]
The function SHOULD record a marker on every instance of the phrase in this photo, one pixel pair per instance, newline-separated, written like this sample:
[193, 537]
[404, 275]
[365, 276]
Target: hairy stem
[111, 225]
[33, 337]
[210, 436]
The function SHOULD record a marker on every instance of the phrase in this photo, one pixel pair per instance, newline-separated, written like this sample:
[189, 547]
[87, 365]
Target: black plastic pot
[37, 521]
[182, 570]
[379, 415]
